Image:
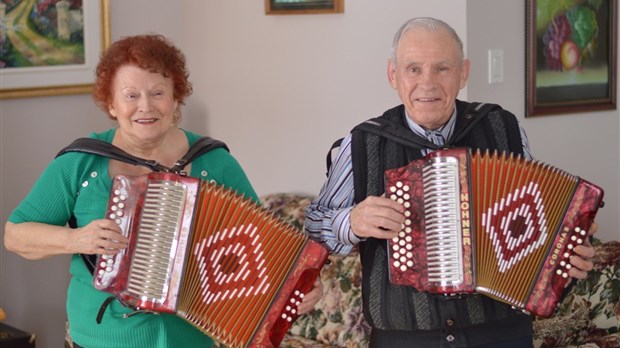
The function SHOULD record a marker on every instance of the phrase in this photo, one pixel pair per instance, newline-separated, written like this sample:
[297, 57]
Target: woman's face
[143, 103]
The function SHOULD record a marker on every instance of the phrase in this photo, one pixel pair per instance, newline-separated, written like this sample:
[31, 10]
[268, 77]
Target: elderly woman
[141, 82]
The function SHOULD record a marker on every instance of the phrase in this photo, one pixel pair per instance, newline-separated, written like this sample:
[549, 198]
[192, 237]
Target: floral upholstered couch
[589, 315]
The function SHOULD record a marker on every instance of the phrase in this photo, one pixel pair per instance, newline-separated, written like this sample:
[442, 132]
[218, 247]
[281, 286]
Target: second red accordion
[491, 223]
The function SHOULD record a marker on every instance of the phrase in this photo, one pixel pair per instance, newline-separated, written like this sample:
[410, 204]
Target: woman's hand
[35, 240]
[98, 237]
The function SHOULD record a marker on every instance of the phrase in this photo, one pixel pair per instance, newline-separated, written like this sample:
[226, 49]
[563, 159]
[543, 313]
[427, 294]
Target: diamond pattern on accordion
[522, 228]
[231, 264]
[401, 248]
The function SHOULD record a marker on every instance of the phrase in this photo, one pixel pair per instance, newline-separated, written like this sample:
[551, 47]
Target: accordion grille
[155, 245]
[443, 227]
[526, 198]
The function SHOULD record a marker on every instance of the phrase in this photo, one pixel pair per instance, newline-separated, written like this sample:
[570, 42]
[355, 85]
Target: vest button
[449, 322]
[450, 338]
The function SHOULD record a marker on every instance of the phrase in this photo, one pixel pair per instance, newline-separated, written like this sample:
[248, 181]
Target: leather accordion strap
[103, 148]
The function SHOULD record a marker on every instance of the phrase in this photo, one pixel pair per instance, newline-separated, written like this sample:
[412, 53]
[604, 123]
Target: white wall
[585, 144]
[278, 90]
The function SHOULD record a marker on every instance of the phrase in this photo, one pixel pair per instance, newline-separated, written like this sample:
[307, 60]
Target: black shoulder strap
[473, 114]
[401, 134]
[395, 132]
[331, 155]
[103, 148]
[404, 136]
[200, 147]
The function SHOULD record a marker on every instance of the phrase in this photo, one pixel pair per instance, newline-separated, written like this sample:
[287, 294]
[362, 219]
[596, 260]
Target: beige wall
[279, 90]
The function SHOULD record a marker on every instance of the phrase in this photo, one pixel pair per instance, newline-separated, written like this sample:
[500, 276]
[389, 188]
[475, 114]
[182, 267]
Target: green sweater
[78, 183]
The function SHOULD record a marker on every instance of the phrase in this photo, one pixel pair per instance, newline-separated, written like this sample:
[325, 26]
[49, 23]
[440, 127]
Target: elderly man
[427, 69]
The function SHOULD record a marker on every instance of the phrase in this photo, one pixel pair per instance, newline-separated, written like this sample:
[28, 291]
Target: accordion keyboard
[443, 227]
[151, 265]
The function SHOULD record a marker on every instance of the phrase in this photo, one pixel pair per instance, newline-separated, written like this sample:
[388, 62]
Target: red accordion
[218, 260]
[490, 223]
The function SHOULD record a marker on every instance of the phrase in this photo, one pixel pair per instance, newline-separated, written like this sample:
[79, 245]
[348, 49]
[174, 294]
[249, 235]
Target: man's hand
[311, 298]
[582, 260]
[377, 217]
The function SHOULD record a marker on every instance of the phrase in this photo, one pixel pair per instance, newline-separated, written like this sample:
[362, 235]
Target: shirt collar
[446, 130]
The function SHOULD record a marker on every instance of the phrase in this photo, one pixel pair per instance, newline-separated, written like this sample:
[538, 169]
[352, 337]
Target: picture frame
[72, 67]
[286, 7]
[571, 70]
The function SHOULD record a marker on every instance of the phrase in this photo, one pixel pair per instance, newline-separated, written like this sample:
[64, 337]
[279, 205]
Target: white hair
[430, 24]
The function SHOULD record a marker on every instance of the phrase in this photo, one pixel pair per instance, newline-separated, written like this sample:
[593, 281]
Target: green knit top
[79, 184]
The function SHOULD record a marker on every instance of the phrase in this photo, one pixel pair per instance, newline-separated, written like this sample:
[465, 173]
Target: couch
[588, 316]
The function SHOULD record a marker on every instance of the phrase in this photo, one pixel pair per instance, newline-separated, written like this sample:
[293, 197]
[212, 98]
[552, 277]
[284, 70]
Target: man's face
[428, 75]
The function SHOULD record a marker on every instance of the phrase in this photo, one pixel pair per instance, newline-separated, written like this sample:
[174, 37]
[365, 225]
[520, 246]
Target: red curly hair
[151, 52]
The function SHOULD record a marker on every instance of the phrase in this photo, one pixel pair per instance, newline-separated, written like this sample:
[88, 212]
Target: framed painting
[273, 7]
[571, 56]
[51, 47]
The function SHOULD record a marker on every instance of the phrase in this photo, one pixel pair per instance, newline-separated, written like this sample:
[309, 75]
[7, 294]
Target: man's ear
[465, 72]
[391, 72]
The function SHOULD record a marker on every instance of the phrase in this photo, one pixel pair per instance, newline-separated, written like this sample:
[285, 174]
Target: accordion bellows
[216, 259]
[491, 223]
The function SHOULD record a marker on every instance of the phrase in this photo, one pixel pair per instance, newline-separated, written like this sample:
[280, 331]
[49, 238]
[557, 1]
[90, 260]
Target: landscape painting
[50, 47]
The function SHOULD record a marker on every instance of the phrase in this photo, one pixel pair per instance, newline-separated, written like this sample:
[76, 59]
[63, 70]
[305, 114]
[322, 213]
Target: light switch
[496, 66]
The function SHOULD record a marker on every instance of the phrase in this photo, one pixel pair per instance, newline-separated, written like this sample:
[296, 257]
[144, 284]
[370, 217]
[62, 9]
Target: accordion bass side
[489, 223]
[206, 254]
